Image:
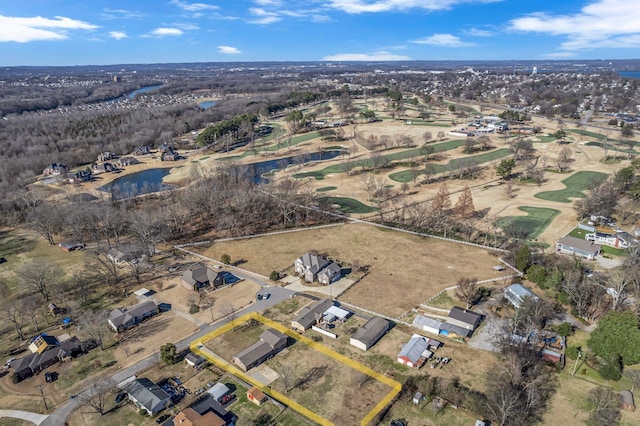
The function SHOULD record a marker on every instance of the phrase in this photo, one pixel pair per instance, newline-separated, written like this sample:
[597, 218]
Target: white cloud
[263, 17]
[373, 6]
[380, 55]
[193, 7]
[558, 55]
[445, 40]
[228, 50]
[163, 31]
[268, 2]
[118, 35]
[185, 26]
[23, 30]
[600, 24]
[120, 14]
[476, 32]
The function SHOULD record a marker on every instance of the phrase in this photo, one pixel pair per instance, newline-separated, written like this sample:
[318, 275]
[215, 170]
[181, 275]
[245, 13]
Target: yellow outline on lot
[211, 357]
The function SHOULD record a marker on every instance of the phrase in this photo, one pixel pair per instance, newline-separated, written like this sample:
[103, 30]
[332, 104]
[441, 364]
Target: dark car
[48, 377]
[121, 397]
[163, 418]
[227, 398]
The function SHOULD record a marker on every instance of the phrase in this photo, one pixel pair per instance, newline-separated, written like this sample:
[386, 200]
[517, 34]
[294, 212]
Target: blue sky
[78, 32]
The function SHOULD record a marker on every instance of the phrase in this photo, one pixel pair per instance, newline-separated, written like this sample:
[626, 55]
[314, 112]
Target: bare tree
[95, 325]
[442, 201]
[229, 312]
[467, 290]
[564, 157]
[634, 376]
[464, 206]
[606, 406]
[96, 396]
[287, 373]
[14, 311]
[45, 220]
[42, 276]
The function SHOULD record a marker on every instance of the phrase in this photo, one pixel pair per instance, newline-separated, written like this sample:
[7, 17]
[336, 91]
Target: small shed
[193, 360]
[256, 396]
[427, 324]
[626, 400]
[218, 391]
[335, 312]
[417, 398]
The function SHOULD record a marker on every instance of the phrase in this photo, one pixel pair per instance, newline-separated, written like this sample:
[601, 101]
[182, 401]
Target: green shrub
[194, 309]
[565, 329]
[16, 378]
[226, 259]
[572, 352]
[274, 276]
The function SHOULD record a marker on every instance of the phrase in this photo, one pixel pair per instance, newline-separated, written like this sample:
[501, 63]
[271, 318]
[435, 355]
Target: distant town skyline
[98, 32]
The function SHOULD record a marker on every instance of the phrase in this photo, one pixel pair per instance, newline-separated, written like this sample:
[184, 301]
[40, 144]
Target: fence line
[287, 231]
[396, 320]
[245, 271]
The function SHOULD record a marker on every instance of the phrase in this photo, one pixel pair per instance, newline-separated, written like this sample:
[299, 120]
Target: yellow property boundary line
[395, 386]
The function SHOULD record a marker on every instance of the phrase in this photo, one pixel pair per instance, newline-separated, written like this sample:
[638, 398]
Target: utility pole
[46, 407]
[575, 367]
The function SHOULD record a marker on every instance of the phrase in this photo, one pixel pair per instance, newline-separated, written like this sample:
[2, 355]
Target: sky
[100, 32]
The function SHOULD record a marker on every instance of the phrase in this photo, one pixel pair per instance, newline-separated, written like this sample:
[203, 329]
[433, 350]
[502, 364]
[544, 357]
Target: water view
[257, 171]
[206, 104]
[145, 89]
[144, 182]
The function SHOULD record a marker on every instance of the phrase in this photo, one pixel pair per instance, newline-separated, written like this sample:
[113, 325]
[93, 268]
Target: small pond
[256, 171]
[206, 104]
[144, 182]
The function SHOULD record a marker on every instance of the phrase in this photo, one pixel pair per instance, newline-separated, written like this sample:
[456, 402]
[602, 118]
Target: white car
[8, 363]
[217, 267]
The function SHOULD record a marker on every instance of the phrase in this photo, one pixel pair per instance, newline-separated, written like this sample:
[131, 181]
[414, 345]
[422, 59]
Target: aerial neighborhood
[321, 243]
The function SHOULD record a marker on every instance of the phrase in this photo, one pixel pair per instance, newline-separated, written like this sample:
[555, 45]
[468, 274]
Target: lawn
[613, 147]
[349, 205]
[368, 163]
[531, 225]
[326, 188]
[404, 269]
[575, 184]
[547, 138]
[408, 175]
[296, 140]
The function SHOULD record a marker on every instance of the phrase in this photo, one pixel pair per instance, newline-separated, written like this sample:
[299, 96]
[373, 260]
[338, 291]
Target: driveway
[34, 418]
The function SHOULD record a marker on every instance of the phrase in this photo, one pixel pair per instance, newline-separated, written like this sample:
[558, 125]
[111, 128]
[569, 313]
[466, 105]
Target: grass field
[404, 270]
[296, 140]
[533, 224]
[350, 205]
[408, 175]
[547, 138]
[613, 147]
[368, 163]
[575, 184]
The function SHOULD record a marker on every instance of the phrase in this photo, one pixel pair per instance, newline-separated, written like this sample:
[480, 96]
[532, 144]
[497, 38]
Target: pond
[144, 182]
[145, 89]
[206, 104]
[257, 171]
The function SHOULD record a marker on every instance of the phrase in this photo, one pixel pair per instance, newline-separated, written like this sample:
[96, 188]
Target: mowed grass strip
[531, 225]
[349, 205]
[368, 163]
[575, 184]
[408, 175]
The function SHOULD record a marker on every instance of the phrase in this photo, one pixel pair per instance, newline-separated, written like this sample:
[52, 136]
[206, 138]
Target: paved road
[277, 295]
[24, 415]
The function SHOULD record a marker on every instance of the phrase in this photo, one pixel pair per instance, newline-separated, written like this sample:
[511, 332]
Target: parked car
[264, 296]
[227, 398]
[7, 364]
[163, 418]
[217, 267]
[48, 377]
[120, 397]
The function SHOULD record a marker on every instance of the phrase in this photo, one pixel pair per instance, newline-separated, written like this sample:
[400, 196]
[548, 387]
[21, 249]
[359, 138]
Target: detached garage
[427, 324]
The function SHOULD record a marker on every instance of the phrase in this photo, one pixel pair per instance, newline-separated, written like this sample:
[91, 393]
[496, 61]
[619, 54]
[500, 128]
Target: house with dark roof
[414, 353]
[207, 404]
[142, 150]
[199, 278]
[126, 161]
[464, 318]
[35, 362]
[453, 331]
[311, 315]
[578, 247]
[271, 342]
[194, 360]
[147, 395]
[121, 319]
[96, 169]
[369, 334]
[516, 293]
[313, 267]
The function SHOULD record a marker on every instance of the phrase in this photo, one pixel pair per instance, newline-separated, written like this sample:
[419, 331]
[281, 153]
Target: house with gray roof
[271, 342]
[121, 319]
[199, 278]
[427, 324]
[311, 314]
[316, 268]
[516, 293]
[451, 330]
[35, 362]
[578, 247]
[369, 334]
[147, 395]
[414, 353]
[464, 318]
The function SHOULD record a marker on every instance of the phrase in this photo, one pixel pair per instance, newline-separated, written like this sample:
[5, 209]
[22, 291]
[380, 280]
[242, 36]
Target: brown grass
[405, 269]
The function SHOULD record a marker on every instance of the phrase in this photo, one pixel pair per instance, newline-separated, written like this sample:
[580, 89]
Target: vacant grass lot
[532, 225]
[405, 270]
[575, 184]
